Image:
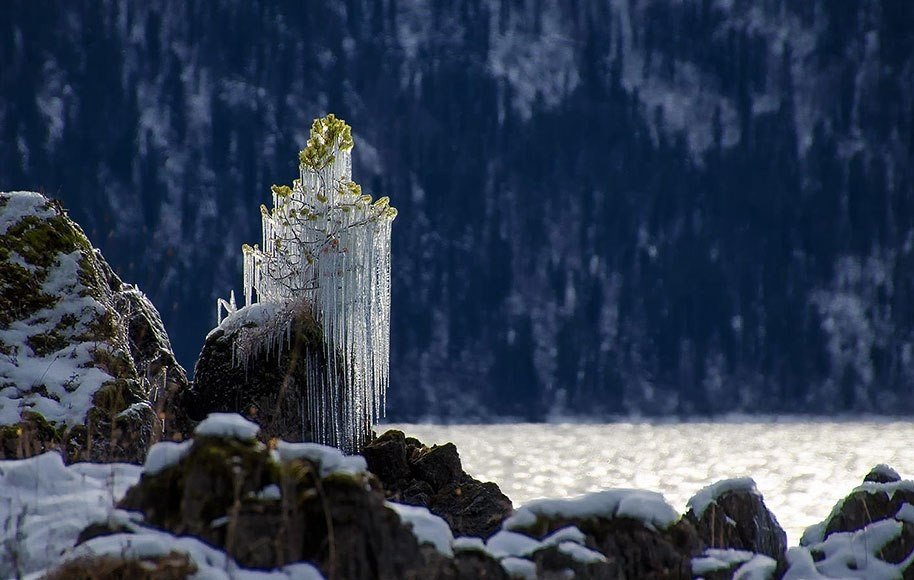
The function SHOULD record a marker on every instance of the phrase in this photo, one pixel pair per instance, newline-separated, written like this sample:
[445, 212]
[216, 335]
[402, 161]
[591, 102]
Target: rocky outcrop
[732, 514]
[81, 353]
[637, 533]
[869, 533]
[433, 477]
[306, 503]
[259, 363]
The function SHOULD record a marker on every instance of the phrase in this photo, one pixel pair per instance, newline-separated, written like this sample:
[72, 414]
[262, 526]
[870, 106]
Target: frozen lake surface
[802, 467]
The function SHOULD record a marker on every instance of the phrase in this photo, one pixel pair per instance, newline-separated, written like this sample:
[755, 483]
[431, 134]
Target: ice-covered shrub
[326, 248]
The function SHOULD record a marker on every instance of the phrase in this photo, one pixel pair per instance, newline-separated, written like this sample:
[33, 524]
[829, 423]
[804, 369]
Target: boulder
[81, 353]
[637, 532]
[879, 498]
[302, 502]
[259, 362]
[433, 477]
[883, 500]
[731, 514]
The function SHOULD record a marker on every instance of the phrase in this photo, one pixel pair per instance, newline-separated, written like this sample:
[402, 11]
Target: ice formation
[326, 248]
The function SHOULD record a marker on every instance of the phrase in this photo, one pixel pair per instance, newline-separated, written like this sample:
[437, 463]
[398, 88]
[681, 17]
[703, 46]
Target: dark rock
[552, 563]
[870, 503]
[338, 521]
[882, 474]
[76, 362]
[438, 466]
[739, 519]
[154, 359]
[471, 565]
[270, 388]
[433, 477]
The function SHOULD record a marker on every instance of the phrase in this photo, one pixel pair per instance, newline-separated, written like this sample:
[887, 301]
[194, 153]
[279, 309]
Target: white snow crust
[20, 205]
[227, 425]
[581, 553]
[513, 549]
[905, 513]
[752, 566]
[519, 568]
[254, 315]
[426, 526]
[649, 507]
[330, 459]
[270, 492]
[468, 544]
[507, 543]
[164, 454]
[708, 495]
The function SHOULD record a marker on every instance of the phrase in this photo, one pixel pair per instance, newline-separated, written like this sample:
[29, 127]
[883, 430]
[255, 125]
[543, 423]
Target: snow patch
[648, 507]
[710, 494]
[426, 526]
[905, 513]
[330, 459]
[270, 492]
[469, 544]
[519, 568]
[165, 454]
[581, 553]
[507, 543]
[752, 566]
[20, 204]
[227, 425]
[252, 315]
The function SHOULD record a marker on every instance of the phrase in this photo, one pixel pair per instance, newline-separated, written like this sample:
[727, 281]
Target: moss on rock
[61, 309]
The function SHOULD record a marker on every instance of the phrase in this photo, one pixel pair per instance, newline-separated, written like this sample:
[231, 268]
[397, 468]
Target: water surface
[802, 467]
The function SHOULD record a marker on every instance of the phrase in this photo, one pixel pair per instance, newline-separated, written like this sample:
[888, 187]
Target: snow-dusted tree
[326, 248]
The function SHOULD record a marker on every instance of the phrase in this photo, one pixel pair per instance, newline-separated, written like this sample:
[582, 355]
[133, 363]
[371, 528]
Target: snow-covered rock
[44, 505]
[611, 533]
[647, 507]
[83, 354]
[865, 553]
[330, 459]
[426, 526]
[737, 564]
[257, 363]
[227, 425]
[731, 514]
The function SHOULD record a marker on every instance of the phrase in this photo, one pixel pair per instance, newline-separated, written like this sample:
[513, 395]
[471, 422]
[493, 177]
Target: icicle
[327, 248]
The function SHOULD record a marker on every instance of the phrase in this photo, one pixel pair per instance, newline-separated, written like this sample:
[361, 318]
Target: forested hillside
[606, 206]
